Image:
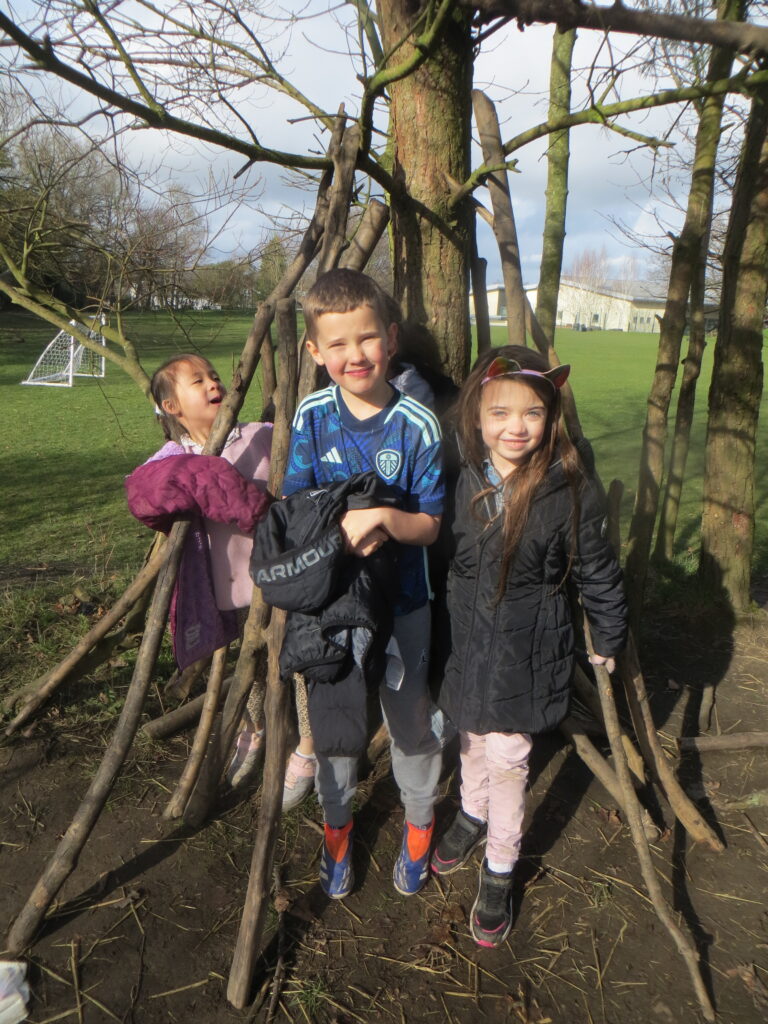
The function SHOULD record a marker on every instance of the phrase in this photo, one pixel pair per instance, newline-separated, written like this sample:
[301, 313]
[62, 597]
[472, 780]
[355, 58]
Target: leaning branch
[632, 808]
[65, 858]
[42, 688]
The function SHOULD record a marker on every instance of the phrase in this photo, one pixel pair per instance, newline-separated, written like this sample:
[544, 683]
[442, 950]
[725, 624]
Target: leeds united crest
[388, 463]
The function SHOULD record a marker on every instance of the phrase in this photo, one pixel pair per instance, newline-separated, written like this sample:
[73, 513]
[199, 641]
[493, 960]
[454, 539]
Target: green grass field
[65, 451]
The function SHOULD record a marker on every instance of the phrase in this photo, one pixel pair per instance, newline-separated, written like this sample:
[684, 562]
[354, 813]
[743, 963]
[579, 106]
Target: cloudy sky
[610, 175]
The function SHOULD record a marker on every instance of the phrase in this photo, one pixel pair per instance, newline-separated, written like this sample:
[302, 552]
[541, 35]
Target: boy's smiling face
[356, 348]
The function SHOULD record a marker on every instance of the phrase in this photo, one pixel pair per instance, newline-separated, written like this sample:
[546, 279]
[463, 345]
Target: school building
[591, 308]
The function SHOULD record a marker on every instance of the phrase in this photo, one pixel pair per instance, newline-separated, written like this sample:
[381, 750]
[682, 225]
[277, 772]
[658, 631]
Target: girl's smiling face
[513, 419]
[198, 393]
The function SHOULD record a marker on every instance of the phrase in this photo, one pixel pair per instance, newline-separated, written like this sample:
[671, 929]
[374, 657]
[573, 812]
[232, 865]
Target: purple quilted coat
[224, 508]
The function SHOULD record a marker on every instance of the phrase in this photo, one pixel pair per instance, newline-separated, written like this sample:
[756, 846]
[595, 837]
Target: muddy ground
[145, 927]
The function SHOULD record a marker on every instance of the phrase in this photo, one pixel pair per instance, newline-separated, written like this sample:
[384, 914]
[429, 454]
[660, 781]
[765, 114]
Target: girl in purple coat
[226, 496]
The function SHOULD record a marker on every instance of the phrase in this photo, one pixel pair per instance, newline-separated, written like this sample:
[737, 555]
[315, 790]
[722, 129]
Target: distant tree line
[81, 224]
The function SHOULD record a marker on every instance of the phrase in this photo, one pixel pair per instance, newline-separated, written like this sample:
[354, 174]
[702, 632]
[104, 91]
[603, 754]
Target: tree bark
[430, 129]
[685, 257]
[670, 509]
[558, 157]
[728, 519]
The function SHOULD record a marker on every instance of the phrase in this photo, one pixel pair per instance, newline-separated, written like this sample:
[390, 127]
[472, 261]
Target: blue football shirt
[401, 443]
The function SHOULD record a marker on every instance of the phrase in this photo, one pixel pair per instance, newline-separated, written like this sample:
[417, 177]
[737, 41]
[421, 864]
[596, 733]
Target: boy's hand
[371, 543]
[393, 523]
[362, 531]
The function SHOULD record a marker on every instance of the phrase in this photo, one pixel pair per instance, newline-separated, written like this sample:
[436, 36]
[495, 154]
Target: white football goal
[65, 358]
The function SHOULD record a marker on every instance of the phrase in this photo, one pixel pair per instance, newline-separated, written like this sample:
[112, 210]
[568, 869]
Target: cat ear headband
[505, 367]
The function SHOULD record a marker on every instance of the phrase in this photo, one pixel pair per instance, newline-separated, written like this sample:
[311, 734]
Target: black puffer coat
[340, 606]
[511, 661]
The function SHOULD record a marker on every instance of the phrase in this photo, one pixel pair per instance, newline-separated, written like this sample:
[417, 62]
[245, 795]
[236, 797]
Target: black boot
[454, 848]
[491, 917]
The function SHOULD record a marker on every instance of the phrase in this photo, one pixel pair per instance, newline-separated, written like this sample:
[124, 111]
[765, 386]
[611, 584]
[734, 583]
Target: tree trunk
[685, 256]
[558, 156]
[430, 128]
[728, 520]
[670, 509]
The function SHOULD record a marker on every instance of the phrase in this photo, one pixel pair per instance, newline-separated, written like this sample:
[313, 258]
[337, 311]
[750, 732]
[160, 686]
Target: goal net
[65, 358]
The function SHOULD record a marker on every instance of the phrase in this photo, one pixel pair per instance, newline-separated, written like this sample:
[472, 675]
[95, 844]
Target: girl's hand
[607, 663]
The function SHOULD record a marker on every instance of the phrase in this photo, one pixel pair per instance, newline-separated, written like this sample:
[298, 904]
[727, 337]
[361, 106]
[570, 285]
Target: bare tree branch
[738, 36]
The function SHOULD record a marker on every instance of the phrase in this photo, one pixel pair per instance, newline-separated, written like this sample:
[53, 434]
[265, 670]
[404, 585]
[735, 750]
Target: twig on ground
[75, 969]
[277, 980]
[757, 834]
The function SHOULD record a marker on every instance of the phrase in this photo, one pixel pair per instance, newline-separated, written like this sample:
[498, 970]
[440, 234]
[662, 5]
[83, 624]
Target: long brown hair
[520, 488]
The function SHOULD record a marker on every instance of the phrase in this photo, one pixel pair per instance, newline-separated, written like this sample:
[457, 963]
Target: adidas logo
[331, 456]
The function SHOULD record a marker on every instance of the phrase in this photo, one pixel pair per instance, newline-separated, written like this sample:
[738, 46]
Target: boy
[362, 423]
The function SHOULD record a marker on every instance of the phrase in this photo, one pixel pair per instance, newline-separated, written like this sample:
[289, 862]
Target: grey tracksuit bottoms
[416, 750]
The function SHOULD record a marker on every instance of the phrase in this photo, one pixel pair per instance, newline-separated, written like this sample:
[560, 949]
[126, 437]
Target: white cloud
[607, 181]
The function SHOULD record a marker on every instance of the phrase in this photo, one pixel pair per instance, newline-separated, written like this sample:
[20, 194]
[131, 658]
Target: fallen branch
[180, 718]
[733, 741]
[588, 693]
[757, 799]
[637, 698]
[654, 755]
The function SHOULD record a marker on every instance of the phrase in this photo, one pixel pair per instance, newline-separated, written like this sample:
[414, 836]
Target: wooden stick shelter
[197, 790]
